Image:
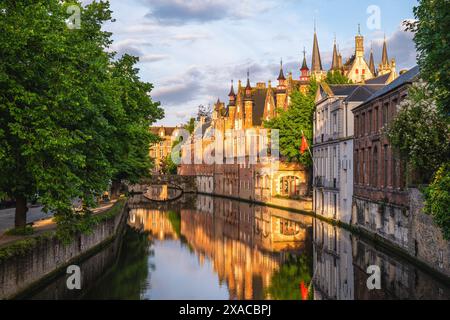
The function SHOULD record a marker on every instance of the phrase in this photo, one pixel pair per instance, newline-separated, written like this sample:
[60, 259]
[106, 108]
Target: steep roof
[259, 99]
[372, 63]
[380, 79]
[351, 92]
[335, 62]
[316, 63]
[407, 77]
[385, 59]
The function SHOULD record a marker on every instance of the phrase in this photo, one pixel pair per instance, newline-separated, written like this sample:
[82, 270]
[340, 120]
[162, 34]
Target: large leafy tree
[433, 45]
[40, 105]
[135, 115]
[72, 119]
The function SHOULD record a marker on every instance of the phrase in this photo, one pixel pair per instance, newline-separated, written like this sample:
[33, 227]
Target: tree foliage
[336, 77]
[437, 199]
[292, 122]
[419, 132]
[433, 45]
[73, 118]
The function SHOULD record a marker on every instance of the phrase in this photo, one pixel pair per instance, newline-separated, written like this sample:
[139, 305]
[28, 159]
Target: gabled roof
[351, 92]
[259, 99]
[363, 92]
[406, 78]
[380, 79]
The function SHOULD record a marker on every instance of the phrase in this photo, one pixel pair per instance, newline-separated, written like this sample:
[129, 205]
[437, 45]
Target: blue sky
[191, 49]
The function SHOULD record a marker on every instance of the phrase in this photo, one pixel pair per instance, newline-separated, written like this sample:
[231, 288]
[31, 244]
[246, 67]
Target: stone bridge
[185, 183]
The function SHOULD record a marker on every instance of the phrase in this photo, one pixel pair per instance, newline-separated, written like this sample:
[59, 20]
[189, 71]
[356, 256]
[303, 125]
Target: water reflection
[200, 247]
[242, 245]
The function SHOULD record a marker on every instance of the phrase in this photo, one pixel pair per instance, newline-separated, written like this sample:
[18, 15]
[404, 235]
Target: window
[370, 121]
[376, 119]
[363, 71]
[385, 169]
[385, 113]
[357, 71]
[363, 123]
[363, 154]
[357, 125]
[375, 167]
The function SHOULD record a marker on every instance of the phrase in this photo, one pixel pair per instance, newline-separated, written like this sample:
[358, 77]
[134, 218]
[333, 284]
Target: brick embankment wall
[34, 265]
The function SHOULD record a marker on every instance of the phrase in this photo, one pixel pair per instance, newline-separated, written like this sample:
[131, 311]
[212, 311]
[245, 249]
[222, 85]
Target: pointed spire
[304, 64]
[248, 88]
[316, 63]
[371, 62]
[232, 94]
[281, 75]
[335, 62]
[385, 59]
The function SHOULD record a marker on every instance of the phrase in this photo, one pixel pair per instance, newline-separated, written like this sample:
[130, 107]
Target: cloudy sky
[191, 49]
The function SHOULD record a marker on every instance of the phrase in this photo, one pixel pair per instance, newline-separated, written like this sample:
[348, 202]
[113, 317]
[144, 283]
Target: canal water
[202, 247]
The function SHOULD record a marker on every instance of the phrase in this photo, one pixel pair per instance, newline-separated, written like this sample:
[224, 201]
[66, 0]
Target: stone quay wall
[49, 256]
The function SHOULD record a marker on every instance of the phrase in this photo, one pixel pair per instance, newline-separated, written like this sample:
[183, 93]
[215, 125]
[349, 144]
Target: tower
[359, 44]
[304, 71]
[316, 62]
[371, 62]
[335, 61]
[386, 67]
[281, 89]
[232, 96]
[248, 104]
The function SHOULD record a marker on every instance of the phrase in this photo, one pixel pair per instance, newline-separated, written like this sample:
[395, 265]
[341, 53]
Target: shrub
[437, 199]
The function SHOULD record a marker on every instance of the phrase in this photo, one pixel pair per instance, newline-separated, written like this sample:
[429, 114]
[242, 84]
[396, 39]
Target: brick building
[380, 198]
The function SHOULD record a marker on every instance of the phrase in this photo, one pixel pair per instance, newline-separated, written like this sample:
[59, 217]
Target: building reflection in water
[246, 244]
[341, 261]
[266, 253]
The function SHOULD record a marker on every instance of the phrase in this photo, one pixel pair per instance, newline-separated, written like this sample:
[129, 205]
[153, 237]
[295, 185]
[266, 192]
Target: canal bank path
[41, 221]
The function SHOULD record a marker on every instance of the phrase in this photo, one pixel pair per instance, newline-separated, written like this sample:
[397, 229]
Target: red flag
[303, 291]
[304, 146]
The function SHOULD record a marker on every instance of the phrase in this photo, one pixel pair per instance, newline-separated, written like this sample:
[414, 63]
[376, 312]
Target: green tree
[419, 132]
[433, 45]
[41, 105]
[292, 122]
[336, 77]
[132, 120]
[73, 119]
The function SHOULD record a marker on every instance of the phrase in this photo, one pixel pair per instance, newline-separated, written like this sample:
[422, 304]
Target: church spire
[232, 95]
[335, 62]
[281, 75]
[304, 64]
[316, 63]
[248, 88]
[384, 58]
[371, 62]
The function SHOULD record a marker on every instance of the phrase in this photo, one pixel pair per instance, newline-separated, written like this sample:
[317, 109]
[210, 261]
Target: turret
[232, 95]
[281, 79]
